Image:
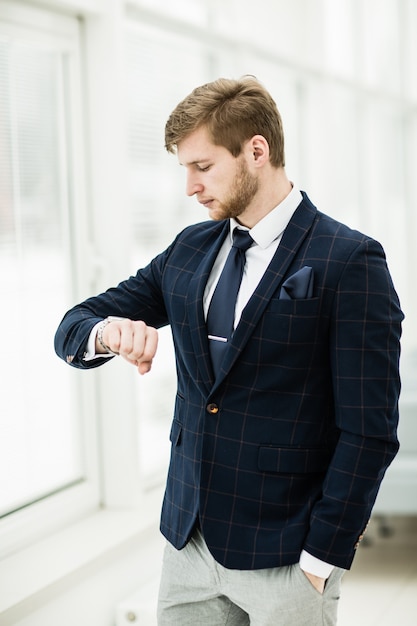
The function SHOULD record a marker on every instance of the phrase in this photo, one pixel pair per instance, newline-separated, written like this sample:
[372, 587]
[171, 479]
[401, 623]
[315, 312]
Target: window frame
[33, 521]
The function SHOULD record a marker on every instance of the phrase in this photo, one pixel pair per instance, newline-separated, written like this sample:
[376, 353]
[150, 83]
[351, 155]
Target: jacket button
[212, 408]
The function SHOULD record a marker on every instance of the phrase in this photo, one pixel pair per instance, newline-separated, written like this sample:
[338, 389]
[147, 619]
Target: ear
[258, 150]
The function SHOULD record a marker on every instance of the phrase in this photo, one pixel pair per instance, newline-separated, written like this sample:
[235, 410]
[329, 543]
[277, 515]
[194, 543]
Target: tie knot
[242, 239]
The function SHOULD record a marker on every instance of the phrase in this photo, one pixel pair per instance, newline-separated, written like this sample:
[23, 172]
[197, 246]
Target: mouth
[206, 202]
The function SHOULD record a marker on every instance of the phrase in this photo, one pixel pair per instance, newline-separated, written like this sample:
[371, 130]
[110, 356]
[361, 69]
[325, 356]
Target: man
[285, 422]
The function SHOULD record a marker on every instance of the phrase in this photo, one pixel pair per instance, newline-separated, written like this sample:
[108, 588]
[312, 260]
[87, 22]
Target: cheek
[221, 186]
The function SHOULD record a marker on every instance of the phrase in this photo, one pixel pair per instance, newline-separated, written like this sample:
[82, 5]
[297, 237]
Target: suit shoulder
[326, 225]
[343, 236]
[330, 237]
[205, 227]
[201, 234]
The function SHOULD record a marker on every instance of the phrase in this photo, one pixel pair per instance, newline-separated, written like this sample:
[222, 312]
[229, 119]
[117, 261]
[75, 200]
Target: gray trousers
[195, 589]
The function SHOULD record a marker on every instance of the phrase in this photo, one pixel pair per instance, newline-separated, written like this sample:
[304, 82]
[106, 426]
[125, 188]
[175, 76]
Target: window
[42, 440]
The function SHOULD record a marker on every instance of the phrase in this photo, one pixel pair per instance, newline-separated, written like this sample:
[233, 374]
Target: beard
[243, 189]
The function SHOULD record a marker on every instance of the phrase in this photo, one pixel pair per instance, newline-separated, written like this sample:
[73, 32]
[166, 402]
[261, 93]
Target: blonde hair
[233, 111]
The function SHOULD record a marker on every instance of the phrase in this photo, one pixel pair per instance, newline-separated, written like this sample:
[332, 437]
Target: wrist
[99, 335]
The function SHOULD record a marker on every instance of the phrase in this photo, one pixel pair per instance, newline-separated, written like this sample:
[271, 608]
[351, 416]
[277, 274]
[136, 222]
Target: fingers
[317, 582]
[134, 341]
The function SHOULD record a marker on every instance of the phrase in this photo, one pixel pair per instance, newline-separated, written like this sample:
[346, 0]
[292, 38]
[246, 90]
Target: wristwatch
[100, 329]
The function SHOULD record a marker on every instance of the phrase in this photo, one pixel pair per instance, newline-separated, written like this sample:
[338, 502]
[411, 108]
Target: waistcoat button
[212, 408]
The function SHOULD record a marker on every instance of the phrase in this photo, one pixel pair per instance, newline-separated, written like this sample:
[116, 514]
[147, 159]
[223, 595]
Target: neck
[273, 189]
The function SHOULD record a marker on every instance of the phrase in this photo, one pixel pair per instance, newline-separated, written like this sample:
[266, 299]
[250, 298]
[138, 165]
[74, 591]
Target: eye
[203, 169]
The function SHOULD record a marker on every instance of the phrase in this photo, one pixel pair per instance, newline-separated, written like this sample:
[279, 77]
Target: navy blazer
[286, 447]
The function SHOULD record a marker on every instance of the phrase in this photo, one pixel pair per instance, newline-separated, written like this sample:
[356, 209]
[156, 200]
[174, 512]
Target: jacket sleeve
[364, 352]
[137, 298]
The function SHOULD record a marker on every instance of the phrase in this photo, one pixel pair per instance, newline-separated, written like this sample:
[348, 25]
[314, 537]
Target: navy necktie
[221, 312]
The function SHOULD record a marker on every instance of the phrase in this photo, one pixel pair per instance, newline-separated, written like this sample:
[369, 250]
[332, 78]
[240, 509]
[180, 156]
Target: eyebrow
[197, 161]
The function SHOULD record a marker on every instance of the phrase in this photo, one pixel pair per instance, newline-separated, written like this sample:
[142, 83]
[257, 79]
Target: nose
[192, 185]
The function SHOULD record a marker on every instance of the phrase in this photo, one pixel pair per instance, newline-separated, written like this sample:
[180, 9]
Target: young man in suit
[286, 420]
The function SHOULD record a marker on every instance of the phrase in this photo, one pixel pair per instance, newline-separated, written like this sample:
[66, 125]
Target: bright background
[88, 194]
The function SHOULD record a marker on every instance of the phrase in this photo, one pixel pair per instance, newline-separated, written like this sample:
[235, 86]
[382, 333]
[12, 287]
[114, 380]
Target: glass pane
[39, 438]
[339, 37]
[157, 187]
[380, 29]
[409, 41]
[289, 30]
[331, 146]
[187, 10]
[386, 201]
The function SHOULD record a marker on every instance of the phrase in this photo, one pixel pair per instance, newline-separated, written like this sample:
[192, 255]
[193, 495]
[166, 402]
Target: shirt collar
[275, 222]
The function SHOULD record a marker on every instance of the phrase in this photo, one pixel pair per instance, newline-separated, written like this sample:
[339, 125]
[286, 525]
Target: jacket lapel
[291, 241]
[198, 329]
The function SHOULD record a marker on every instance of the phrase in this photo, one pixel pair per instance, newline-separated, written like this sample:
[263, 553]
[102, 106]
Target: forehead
[198, 147]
